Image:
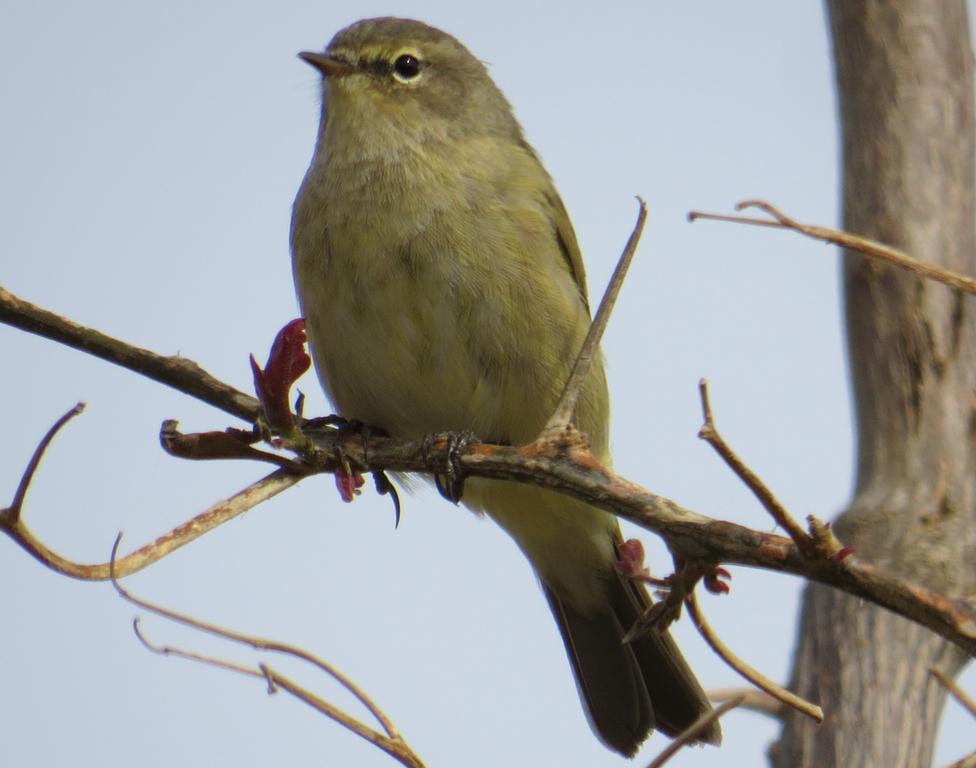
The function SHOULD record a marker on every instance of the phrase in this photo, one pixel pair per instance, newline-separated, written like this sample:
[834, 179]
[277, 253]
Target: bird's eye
[406, 68]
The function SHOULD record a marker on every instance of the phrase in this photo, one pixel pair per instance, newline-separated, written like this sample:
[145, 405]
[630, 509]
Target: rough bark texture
[904, 81]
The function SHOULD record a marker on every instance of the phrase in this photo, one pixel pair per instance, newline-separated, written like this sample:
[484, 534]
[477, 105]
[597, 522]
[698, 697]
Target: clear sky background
[149, 155]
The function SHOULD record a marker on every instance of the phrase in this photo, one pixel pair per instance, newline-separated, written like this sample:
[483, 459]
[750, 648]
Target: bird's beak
[328, 66]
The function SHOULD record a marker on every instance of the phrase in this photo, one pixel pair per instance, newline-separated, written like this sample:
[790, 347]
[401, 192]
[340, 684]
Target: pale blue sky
[149, 154]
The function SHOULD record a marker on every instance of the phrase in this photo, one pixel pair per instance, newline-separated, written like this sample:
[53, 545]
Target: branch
[819, 542]
[11, 520]
[584, 360]
[863, 245]
[576, 472]
[753, 699]
[710, 434]
[568, 468]
[390, 742]
[691, 734]
[176, 372]
[749, 673]
[958, 693]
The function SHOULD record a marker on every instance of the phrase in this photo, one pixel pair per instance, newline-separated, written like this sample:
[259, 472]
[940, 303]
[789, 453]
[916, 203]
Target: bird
[444, 290]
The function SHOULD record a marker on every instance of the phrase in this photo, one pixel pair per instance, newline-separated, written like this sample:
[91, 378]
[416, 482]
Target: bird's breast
[431, 303]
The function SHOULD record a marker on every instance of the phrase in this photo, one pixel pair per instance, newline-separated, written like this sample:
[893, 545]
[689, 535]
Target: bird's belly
[391, 353]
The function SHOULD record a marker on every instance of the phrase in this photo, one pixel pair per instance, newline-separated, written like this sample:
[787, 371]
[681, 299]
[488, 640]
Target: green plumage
[444, 290]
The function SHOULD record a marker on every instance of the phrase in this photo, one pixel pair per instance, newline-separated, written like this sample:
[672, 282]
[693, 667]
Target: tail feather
[628, 689]
[676, 695]
[608, 676]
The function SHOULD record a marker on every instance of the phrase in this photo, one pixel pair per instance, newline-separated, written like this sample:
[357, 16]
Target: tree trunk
[905, 88]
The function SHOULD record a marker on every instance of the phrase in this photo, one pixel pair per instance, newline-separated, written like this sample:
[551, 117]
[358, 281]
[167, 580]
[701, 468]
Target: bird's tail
[628, 689]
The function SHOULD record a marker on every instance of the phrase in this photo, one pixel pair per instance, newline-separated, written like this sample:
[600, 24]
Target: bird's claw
[450, 482]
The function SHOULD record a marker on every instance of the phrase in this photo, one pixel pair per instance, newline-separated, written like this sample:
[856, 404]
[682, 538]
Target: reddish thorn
[714, 581]
[844, 552]
[631, 562]
[632, 550]
[348, 484]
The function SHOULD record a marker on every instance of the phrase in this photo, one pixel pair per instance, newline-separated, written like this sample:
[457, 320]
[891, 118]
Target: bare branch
[957, 693]
[11, 521]
[391, 742]
[394, 746]
[563, 414]
[575, 472]
[255, 642]
[863, 245]
[176, 372]
[753, 699]
[750, 674]
[10, 516]
[710, 434]
[170, 650]
[692, 732]
[569, 468]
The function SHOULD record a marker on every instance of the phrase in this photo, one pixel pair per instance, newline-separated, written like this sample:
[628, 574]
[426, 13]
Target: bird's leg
[450, 482]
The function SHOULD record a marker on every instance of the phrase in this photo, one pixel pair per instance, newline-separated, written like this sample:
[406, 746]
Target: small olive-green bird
[443, 290]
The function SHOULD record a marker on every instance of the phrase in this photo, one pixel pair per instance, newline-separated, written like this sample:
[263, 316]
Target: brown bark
[905, 88]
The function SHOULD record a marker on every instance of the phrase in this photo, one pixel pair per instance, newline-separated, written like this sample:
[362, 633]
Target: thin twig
[392, 745]
[10, 516]
[957, 693]
[710, 434]
[750, 674]
[170, 650]
[868, 247]
[255, 642]
[753, 699]
[217, 515]
[692, 732]
[563, 414]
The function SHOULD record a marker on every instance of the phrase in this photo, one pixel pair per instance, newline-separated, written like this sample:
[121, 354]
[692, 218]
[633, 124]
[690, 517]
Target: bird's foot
[349, 479]
[450, 481]
[346, 428]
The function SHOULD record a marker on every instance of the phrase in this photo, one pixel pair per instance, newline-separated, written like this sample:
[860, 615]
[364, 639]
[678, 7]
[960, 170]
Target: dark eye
[406, 68]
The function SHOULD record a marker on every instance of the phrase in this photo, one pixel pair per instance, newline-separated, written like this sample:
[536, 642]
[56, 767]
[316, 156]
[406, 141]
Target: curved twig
[750, 674]
[391, 742]
[11, 520]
